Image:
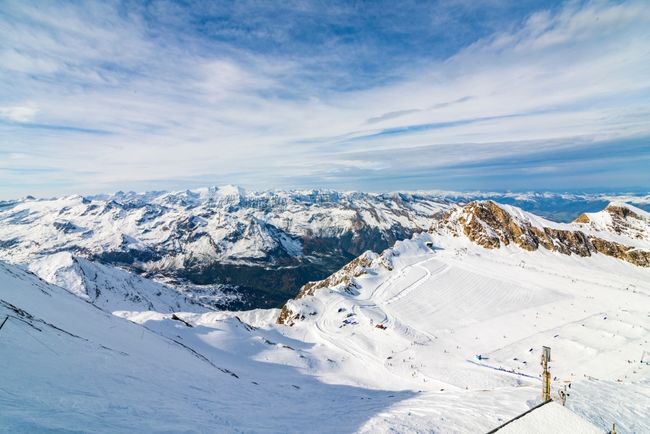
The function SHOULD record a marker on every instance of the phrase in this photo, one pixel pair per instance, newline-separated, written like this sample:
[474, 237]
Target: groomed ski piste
[438, 334]
[465, 326]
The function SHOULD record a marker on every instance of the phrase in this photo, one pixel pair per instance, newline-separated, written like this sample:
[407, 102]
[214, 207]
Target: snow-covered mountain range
[223, 247]
[259, 248]
[441, 332]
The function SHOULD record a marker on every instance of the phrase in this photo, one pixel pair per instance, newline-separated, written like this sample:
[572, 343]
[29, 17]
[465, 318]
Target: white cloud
[18, 113]
[575, 76]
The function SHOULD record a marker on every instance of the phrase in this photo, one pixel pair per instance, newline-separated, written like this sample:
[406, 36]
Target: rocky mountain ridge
[620, 230]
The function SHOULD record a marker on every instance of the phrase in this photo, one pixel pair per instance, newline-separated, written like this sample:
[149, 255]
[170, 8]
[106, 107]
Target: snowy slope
[74, 368]
[111, 288]
[421, 323]
[70, 367]
[550, 417]
[388, 344]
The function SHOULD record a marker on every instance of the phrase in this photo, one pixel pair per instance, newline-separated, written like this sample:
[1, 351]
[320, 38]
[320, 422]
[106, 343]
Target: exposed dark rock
[489, 225]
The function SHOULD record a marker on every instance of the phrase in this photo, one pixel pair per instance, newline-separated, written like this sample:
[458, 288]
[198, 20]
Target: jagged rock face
[488, 225]
[618, 219]
[354, 268]
[563, 241]
[491, 226]
[626, 253]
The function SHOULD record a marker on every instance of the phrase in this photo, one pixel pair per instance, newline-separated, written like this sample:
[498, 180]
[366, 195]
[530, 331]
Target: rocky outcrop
[620, 219]
[344, 278]
[491, 226]
[620, 251]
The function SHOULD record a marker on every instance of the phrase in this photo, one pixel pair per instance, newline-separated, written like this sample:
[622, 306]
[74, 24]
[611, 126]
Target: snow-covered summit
[620, 218]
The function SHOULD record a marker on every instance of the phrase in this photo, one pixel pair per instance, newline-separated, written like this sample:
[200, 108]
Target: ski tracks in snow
[442, 268]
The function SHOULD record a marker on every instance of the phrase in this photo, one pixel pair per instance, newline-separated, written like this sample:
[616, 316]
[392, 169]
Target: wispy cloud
[117, 96]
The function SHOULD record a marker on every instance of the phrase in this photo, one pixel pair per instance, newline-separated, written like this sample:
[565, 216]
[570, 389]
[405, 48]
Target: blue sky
[376, 96]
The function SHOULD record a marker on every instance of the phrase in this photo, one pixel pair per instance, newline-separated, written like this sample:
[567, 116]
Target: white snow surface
[444, 307]
[70, 367]
[550, 417]
[443, 302]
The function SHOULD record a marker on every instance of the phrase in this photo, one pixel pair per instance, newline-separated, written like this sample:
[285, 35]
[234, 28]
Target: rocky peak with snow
[345, 279]
[620, 218]
[620, 230]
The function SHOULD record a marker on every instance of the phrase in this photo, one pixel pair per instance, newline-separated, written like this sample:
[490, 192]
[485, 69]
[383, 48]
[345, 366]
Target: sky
[372, 96]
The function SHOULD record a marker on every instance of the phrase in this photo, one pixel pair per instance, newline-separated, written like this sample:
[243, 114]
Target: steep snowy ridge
[621, 219]
[111, 288]
[71, 367]
[345, 278]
